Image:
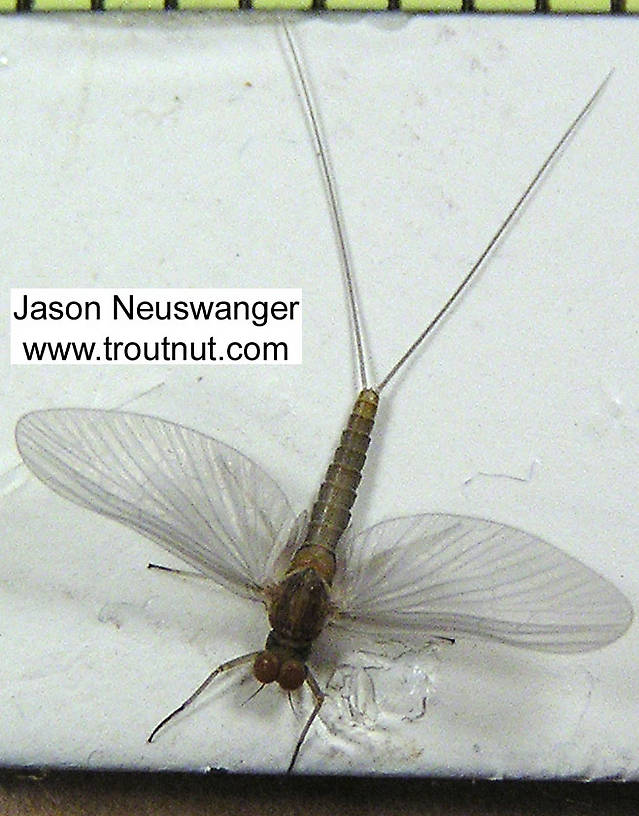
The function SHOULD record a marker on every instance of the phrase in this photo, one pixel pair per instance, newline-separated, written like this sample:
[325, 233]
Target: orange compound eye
[266, 667]
[292, 675]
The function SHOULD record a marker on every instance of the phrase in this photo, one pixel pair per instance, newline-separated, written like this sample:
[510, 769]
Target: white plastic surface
[172, 150]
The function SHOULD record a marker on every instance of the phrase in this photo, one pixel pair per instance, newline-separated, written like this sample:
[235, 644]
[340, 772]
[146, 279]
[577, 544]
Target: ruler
[443, 6]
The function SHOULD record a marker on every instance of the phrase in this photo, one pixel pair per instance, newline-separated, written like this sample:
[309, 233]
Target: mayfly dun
[421, 576]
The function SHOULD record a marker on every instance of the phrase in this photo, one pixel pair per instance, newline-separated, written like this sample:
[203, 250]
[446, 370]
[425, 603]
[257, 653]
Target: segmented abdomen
[331, 513]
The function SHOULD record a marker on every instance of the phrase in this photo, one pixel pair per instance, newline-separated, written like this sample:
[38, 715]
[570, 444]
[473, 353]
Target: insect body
[299, 605]
[425, 575]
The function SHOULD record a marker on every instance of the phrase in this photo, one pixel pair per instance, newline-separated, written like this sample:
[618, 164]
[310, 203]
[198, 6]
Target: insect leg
[318, 696]
[181, 573]
[224, 667]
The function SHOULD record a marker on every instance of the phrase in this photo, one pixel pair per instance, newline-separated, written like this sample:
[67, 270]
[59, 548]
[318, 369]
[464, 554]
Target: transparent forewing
[443, 574]
[197, 497]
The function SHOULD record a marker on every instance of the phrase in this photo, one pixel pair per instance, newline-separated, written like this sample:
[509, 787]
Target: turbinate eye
[292, 675]
[266, 667]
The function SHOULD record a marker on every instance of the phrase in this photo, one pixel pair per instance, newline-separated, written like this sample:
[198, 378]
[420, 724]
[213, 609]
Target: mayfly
[420, 576]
